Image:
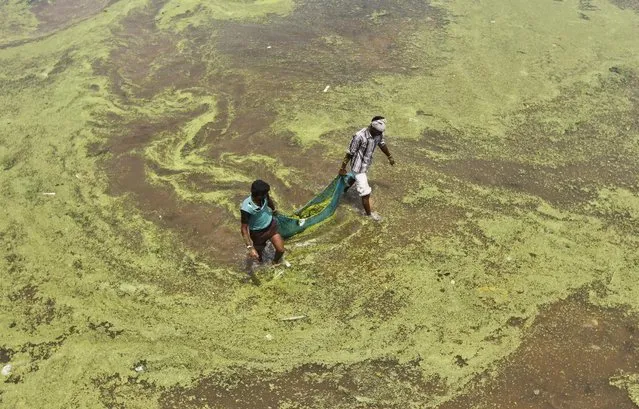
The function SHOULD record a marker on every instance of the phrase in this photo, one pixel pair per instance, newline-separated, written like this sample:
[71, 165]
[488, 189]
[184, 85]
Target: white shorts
[361, 183]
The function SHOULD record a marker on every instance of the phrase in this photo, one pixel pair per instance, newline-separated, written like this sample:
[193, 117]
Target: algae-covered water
[504, 273]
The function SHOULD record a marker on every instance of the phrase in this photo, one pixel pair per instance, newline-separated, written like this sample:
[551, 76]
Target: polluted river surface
[504, 271]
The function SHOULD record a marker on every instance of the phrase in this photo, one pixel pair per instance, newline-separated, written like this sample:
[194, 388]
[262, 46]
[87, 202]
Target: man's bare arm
[347, 158]
[384, 149]
[247, 240]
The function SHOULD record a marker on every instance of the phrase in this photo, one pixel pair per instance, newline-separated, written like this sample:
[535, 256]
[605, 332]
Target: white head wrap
[379, 124]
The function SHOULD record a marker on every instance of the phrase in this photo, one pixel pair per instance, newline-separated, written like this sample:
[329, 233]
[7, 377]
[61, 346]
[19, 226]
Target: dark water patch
[34, 308]
[63, 62]
[60, 14]
[562, 185]
[41, 351]
[54, 16]
[586, 5]
[373, 384]
[96, 149]
[384, 305]
[15, 263]
[105, 327]
[517, 322]
[448, 142]
[336, 42]
[5, 355]
[621, 220]
[530, 179]
[200, 226]
[627, 4]
[566, 361]
[149, 61]
[27, 293]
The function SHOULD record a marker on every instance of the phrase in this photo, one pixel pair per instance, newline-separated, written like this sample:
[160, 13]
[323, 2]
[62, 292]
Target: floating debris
[293, 318]
[6, 370]
[326, 89]
[48, 193]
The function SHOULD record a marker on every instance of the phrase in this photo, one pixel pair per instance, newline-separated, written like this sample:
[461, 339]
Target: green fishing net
[320, 208]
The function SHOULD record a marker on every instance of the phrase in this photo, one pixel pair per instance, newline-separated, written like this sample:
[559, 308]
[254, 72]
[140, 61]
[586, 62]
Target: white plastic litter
[6, 370]
[293, 318]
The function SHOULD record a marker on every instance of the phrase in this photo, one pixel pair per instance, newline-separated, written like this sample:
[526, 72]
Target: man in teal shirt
[258, 223]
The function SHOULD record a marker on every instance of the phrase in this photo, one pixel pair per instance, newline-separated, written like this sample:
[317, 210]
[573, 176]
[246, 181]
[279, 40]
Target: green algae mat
[504, 271]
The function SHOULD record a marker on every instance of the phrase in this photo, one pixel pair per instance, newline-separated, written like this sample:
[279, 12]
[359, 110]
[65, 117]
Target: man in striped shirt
[360, 155]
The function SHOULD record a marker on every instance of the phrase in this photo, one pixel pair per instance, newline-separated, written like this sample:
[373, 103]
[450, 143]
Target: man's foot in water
[375, 216]
[281, 263]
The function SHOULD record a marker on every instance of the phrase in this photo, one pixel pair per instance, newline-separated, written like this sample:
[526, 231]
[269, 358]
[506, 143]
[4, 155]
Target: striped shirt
[361, 149]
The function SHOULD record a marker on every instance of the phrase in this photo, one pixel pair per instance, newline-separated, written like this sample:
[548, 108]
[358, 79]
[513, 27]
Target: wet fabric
[260, 237]
[320, 208]
[261, 216]
[361, 183]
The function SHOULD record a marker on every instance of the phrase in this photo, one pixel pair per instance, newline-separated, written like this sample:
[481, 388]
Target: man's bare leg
[278, 243]
[367, 204]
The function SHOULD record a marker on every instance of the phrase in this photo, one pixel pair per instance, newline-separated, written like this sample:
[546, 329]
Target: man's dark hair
[259, 188]
[376, 117]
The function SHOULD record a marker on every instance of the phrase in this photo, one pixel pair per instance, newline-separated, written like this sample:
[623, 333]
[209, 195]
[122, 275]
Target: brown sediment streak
[199, 226]
[563, 184]
[311, 385]
[567, 360]
[58, 15]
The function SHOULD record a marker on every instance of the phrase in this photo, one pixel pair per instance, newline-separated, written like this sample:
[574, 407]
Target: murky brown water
[53, 16]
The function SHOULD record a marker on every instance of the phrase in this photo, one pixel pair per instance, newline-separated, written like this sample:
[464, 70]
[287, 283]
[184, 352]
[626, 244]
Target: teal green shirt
[261, 216]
